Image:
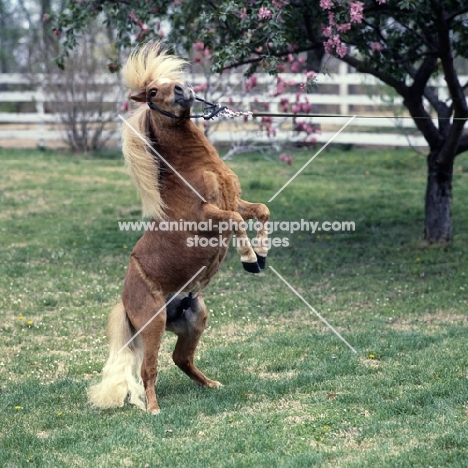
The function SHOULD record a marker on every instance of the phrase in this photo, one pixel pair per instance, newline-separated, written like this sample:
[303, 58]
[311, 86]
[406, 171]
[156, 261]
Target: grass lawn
[294, 395]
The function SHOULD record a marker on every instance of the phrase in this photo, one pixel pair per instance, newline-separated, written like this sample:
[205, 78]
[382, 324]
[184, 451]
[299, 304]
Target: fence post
[40, 111]
[343, 88]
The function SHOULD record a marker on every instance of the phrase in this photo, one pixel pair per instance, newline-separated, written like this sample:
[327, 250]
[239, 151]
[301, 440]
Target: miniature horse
[162, 262]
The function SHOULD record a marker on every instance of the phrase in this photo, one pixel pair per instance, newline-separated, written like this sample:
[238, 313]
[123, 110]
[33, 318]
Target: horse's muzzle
[184, 96]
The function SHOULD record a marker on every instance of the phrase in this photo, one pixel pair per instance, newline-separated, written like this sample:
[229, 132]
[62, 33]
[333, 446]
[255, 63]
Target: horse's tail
[142, 163]
[118, 375]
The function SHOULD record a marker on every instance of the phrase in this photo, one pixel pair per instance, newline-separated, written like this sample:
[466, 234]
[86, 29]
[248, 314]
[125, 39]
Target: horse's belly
[172, 259]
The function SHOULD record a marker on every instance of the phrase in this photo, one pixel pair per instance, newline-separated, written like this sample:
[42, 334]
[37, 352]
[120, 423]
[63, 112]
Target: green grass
[294, 395]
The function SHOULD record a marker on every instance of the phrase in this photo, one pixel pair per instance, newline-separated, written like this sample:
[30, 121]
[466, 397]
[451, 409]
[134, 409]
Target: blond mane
[150, 63]
[146, 64]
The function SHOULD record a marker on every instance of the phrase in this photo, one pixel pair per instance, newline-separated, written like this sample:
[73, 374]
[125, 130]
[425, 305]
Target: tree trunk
[314, 59]
[438, 221]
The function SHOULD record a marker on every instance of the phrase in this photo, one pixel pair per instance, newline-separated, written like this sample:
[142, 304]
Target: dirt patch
[430, 321]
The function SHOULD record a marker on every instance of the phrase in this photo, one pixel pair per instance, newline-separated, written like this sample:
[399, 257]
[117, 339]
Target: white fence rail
[341, 93]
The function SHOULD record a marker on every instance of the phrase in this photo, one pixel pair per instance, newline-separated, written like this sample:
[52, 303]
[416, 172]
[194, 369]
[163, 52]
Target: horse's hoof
[261, 260]
[214, 384]
[252, 267]
[154, 411]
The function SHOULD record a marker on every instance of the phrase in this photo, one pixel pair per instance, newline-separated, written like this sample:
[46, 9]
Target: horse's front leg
[261, 213]
[232, 220]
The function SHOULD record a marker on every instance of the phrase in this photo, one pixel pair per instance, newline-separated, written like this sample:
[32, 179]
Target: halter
[210, 111]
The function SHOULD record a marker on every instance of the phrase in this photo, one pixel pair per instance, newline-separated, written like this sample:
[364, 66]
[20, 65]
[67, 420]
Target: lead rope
[211, 111]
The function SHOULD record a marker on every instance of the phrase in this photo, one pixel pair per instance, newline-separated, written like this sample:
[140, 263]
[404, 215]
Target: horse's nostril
[178, 89]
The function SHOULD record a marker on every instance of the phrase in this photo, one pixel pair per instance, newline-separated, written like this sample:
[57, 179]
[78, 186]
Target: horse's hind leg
[143, 301]
[188, 324]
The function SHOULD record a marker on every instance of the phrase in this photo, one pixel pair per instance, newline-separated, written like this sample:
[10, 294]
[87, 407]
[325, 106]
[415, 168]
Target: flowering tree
[404, 43]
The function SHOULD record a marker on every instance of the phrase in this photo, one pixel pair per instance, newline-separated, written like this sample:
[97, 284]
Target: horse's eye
[153, 92]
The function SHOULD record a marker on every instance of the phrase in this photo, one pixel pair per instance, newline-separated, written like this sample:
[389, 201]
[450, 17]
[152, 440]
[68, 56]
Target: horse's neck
[178, 140]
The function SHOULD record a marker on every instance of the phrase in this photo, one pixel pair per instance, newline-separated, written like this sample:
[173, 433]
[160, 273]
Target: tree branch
[412, 102]
[451, 17]
[419, 88]
[359, 65]
[277, 54]
[460, 106]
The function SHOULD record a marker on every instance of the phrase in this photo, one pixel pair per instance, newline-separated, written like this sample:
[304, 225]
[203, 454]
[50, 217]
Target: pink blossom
[341, 50]
[264, 13]
[279, 3]
[335, 43]
[376, 46]
[310, 75]
[57, 32]
[286, 158]
[295, 67]
[124, 107]
[327, 31]
[198, 46]
[45, 17]
[133, 16]
[200, 88]
[306, 107]
[243, 13]
[280, 88]
[250, 82]
[336, 40]
[144, 27]
[343, 27]
[355, 11]
[326, 4]
[380, 2]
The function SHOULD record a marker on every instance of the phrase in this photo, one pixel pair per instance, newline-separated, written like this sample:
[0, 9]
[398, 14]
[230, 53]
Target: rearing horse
[179, 176]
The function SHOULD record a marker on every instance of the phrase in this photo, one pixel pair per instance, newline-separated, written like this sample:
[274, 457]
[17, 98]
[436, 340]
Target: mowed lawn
[294, 394]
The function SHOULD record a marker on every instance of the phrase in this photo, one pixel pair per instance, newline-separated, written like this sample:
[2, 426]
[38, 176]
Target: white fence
[341, 93]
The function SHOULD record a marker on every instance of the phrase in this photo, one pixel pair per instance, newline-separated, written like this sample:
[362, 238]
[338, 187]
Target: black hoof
[251, 267]
[261, 260]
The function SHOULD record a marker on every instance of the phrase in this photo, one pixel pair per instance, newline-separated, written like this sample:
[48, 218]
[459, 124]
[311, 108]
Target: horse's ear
[139, 97]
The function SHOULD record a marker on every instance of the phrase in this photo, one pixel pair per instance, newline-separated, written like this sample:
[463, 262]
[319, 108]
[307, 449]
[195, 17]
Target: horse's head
[172, 99]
